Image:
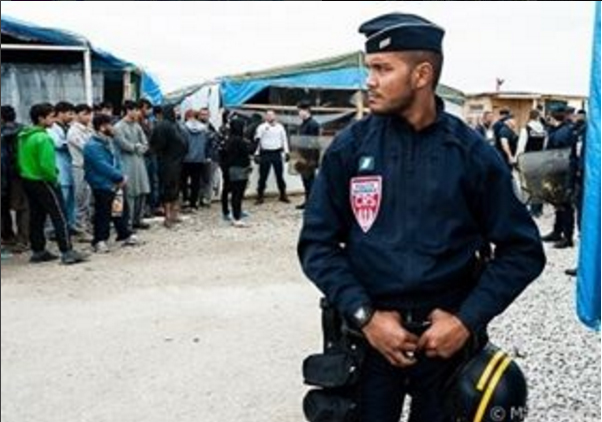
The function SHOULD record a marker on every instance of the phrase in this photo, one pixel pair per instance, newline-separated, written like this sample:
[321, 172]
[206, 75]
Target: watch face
[361, 316]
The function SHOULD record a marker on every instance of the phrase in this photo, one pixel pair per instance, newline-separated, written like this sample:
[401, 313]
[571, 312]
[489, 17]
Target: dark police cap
[562, 109]
[402, 32]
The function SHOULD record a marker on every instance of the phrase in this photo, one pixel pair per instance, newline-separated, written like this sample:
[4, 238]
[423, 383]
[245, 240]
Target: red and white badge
[366, 196]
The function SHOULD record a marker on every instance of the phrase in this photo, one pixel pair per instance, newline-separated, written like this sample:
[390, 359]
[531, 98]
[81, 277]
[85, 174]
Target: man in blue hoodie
[102, 167]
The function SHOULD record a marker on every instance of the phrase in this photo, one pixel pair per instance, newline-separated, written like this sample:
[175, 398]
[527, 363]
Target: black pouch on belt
[330, 406]
[335, 372]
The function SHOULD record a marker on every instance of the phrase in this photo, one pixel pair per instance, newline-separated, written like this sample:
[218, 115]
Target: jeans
[103, 216]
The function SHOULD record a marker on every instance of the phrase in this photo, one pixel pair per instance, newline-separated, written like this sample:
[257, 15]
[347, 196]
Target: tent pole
[127, 85]
[88, 86]
[359, 100]
[359, 105]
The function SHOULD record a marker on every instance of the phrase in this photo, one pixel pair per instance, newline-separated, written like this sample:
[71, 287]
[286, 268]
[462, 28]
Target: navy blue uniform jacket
[445, 194]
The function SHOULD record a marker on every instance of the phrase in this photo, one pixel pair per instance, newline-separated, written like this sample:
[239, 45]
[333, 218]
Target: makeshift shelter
[335, 87]
[44, 64]
[588, 292]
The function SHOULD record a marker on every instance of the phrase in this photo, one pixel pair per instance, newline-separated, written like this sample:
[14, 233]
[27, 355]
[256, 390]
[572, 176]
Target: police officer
[404, 201]
[577, 169]
[563, 136]
[310, 155]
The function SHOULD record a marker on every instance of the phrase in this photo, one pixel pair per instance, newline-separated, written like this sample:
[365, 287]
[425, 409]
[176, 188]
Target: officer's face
[390, 87]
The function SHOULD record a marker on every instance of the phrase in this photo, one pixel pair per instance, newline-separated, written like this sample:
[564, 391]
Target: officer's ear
[423, 75]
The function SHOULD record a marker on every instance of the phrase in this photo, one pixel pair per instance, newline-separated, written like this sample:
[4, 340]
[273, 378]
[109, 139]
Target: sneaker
[42, 257]
[142, 226]
[572, 272]
[552, 237]
[284, 199]
[564, 244]
[239, 224]
[300, 207]
[102, 248]
[227, 217]
[244, 215]
[83, 238]
[131, 241]
[72, 258]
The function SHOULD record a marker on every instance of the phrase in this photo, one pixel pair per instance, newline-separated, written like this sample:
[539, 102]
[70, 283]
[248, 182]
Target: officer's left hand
[446, 337]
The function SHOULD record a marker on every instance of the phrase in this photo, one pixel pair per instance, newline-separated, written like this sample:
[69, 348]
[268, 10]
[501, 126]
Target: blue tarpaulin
[236, 93]
[36, 34]
[150, 89]
[588, 291]
[33, 34]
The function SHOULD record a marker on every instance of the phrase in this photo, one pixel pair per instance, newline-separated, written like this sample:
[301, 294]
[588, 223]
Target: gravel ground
[209, 323]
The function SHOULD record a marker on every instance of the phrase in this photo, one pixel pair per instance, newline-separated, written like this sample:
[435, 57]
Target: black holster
[334, 374]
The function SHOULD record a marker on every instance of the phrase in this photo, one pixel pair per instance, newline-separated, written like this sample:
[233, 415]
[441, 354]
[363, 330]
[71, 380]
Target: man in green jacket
[37, 165]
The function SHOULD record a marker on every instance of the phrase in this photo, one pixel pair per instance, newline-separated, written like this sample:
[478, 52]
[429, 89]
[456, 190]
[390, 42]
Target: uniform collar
[402, 123]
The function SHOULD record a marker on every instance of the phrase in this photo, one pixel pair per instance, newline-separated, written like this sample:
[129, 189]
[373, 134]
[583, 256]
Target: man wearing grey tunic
[133, 144]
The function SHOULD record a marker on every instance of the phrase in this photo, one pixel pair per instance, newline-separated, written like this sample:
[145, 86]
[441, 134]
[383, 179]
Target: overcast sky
[537, 46]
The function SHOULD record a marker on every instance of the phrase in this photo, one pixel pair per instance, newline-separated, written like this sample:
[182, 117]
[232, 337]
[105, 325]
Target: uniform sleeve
[326, 227]
[505, 222]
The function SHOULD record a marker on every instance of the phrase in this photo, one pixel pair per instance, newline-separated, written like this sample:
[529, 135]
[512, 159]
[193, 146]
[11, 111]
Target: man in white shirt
[271, 149]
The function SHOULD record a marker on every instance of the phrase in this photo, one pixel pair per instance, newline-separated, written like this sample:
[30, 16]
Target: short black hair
[8, 114]
[63, 107]
[157, 110]
[433, 58]
[304, 105]
[144, 103]
[40, 111]
[83, 108]
[534, 114]
[505, 112]
[100, 120]
[106, 104]
[129, 106]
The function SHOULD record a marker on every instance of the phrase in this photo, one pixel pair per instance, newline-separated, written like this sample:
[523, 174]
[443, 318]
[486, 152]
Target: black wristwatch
[362, 316]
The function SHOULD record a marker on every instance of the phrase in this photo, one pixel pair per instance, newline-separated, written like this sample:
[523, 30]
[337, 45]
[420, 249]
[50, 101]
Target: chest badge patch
[366, 198]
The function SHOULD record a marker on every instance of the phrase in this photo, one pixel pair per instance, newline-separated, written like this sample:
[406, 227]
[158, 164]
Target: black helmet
[490, 387]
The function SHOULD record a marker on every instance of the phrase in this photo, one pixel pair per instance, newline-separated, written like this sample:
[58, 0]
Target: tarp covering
[150, 89]
[588, 291]
[33, 34]
[22, 33]
[24, 85]
[346, 72]
[27, 33]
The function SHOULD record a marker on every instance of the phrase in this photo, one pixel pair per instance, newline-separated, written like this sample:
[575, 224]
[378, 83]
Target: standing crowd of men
[76, 169]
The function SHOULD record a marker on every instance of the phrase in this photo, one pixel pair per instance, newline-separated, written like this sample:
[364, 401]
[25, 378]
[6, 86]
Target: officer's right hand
[385, 333]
